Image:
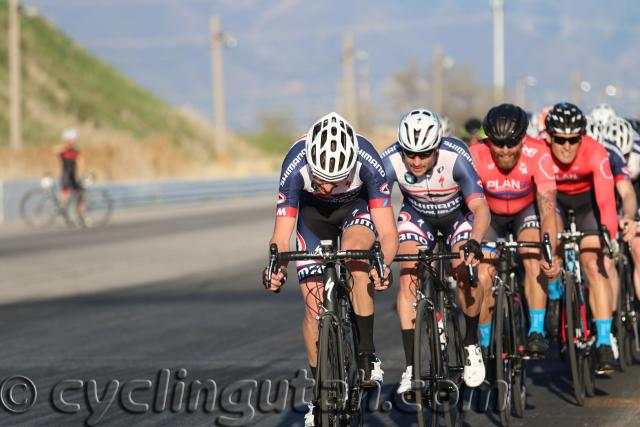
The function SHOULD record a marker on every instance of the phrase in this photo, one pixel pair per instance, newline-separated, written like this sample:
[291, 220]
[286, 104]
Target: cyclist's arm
[546, 197]
[282, 232]
[385, 222]
[605, 191]
[628, 196]
[481, 218]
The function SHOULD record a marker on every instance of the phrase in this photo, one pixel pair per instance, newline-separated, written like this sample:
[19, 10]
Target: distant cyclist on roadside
[333, 182]
[585, 184]
[441, 192]
[72, 164]
[472, 133]
[517, 175]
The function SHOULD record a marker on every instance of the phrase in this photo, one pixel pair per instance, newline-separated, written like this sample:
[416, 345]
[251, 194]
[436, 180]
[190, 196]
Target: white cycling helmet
[447, 126]
[332, 148]
[70, 134]
[420, 130]
[532, 128]
[620, 132]
[594, 129]
[602, 113]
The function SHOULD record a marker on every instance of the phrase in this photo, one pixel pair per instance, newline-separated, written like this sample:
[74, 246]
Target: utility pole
[365, 94]
[349, 79]
[437, 80]
[218, 86]
[576, 96]
[498, 51]
[15, 91]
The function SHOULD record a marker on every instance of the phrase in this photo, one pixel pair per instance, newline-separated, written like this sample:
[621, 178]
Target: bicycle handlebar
[326, 253]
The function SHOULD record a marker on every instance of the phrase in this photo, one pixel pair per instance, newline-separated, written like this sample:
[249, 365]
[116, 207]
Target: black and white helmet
[620, 132]
[332, 148]
[420, 130]
[594, 129]
[602, 113]
[565, 119]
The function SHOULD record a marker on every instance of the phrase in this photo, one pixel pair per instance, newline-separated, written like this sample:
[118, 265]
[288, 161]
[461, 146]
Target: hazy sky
[288, 52]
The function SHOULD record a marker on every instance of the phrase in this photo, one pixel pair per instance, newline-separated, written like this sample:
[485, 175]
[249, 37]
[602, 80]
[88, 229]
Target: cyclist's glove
[386, 268]
[266, 281]
[473, 247]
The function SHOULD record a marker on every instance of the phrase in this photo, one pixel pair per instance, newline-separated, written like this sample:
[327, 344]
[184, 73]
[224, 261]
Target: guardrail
[149, 193]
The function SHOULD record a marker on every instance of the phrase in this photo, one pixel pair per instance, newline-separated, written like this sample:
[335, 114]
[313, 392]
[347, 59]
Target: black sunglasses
[509, 143]
[421, 154]
[561, 140]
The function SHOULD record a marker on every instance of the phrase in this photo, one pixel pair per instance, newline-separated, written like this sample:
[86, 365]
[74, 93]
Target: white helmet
[70, 134]
[594, 129]
[532, 128]
[602, 113]
[332, 148]
[419, 130]
[447, 126]
[620, 132]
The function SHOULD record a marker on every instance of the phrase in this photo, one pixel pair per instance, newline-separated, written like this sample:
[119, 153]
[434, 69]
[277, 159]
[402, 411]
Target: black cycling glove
[473, 247]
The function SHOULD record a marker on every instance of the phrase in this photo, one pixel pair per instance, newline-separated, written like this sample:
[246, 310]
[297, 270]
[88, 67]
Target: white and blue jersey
[450, 185]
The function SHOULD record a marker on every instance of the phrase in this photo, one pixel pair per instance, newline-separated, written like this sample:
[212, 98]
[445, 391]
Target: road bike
[339, 386]
[626, 320]
[509, 326]
[41, 206]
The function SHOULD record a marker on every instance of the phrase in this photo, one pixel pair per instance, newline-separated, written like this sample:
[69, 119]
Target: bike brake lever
[546, 243]
[473, 281]
[273, 264]
[378, 260]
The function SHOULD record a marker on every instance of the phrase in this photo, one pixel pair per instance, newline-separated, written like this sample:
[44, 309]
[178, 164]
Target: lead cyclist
[333, 184]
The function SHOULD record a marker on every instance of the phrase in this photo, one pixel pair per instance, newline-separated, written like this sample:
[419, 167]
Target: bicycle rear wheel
[98, 207]
[426, 362]
[574, 333]
[504, 364]
[38, 208]
[331, 379]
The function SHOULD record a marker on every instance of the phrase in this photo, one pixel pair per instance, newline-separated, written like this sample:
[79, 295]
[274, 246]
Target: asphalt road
[163, 304]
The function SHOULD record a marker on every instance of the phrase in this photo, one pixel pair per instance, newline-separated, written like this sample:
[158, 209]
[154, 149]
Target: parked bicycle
[41, 206]
[438, 349]
[509, 326]
[338, 388]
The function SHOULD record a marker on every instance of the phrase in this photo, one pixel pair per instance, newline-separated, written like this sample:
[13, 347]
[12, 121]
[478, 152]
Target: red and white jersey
[590, 170]
[509, 192]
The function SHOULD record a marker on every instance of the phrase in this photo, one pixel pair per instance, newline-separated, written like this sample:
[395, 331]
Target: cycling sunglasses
[562, 140]
[421, 154]
[509, 143]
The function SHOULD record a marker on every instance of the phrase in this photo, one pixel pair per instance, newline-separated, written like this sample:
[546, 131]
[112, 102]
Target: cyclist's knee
[592, 267]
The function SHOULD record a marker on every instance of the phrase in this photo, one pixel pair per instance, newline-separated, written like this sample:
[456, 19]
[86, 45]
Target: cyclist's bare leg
[80, 204]
[312, 293]
[614, 283]
[592, 260]
[359, 237]
[470, 298]
[635, 254]
[486, 274]
[65, 194]
[406, 297]
[534, 281]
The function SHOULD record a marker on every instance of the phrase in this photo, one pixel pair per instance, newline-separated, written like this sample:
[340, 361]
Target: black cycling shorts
[502, 225]
[585, 208]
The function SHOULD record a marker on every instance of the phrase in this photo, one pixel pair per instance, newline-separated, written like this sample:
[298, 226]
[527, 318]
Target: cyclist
[517, 174]
[72, 163]
[441, 192]
[472, 133]
[585, 184]
[333, 181]
[621, 142]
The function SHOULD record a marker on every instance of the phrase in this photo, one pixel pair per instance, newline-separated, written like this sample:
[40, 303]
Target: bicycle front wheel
[331, 378]
[38, 208]
[503, 360]
[98, 207]
[574, 334]
[426, 363]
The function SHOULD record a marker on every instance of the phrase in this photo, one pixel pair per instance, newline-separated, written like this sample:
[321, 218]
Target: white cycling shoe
[406, 383]
[474, 370]
[310, 416]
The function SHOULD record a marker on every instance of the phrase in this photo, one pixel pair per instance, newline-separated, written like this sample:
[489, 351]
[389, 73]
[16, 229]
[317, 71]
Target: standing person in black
[72, 163]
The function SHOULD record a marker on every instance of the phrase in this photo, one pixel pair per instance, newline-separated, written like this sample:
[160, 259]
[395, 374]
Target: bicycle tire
[503, 377]
[38, 208]
[588, 371]
[519, 385]
[572, 322]
[329, 375]
[621, 333]
[426, 364]
[355, 395]
[98, 208]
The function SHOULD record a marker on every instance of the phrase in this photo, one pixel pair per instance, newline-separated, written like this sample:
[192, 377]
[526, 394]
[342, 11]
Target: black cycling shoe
[552, 320]
[537, 345]
[372, 369]
[604, 360]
